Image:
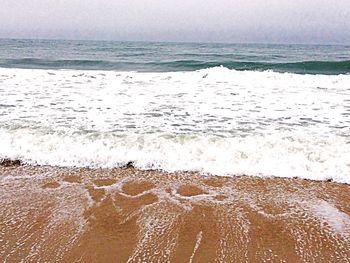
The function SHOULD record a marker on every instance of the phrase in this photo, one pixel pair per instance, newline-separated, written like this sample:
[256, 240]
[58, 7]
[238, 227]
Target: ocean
[221, 109]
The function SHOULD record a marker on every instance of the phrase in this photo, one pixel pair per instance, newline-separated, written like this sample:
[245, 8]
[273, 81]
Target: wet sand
[53, 214]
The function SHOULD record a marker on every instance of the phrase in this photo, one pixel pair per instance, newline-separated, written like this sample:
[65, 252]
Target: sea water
[224, 109]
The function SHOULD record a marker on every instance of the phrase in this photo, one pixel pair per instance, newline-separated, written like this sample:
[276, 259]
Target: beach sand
[51, 214]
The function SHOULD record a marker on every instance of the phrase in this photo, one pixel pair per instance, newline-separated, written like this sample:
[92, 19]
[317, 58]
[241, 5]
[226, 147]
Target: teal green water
[165, 57]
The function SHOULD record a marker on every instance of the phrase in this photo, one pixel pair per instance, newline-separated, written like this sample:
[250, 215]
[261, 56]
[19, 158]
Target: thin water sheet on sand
[51, 214]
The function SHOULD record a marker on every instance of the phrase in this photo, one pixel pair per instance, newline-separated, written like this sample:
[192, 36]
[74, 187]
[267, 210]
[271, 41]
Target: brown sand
[125, 215]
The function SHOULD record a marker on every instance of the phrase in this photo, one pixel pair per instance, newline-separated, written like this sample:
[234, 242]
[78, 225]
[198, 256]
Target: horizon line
[179, 42]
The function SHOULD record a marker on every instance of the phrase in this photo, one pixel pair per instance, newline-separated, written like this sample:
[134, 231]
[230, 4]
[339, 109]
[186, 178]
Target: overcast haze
[276, 21]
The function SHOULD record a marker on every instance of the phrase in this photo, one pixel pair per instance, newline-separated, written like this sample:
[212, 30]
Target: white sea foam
[215, 121]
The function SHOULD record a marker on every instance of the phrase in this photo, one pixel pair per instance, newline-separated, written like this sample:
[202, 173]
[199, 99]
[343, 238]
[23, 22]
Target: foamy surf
[215, 121]
[282, 154]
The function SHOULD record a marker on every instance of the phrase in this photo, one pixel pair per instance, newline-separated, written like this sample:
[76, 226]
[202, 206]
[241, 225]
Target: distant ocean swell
[303, 67]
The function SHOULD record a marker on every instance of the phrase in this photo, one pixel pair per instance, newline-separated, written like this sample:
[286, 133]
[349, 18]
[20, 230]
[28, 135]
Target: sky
[237, 21]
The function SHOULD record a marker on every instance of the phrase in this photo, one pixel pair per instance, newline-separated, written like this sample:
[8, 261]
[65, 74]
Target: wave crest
[302, 67]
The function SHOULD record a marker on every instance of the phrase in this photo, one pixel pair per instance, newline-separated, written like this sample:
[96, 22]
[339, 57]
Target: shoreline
[130, 165]
[119, 215]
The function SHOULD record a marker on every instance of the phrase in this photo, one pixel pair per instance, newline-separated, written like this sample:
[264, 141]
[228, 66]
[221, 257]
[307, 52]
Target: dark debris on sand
[9, 162]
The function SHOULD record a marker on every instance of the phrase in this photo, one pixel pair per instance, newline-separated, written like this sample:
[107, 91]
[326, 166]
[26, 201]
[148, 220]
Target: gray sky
[289, 21]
